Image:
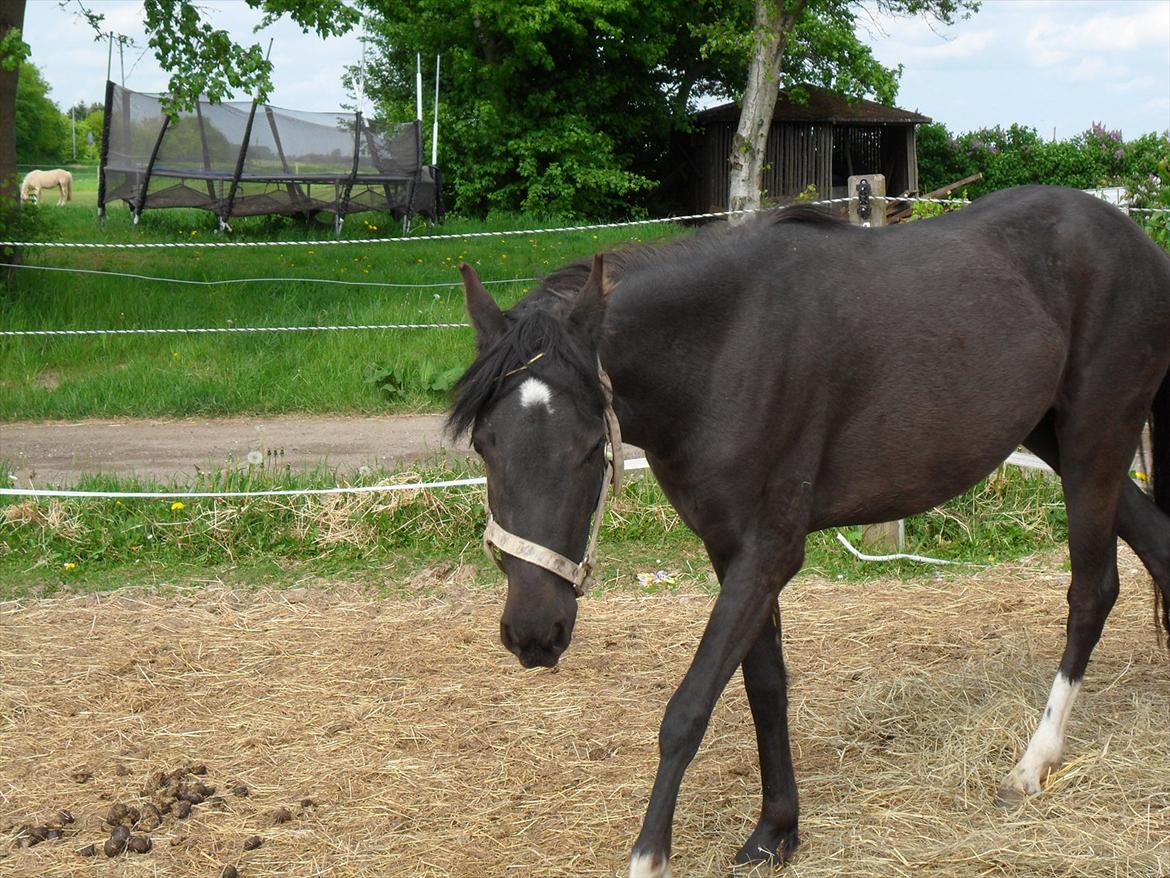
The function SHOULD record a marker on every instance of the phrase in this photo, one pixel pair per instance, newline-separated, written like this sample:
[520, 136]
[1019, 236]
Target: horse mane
[538, 323]
[536, 327]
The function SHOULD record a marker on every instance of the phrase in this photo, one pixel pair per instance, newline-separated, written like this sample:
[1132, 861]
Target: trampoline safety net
[241, 158]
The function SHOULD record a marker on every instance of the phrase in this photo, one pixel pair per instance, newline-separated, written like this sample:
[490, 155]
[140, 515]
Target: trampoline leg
[136, 215]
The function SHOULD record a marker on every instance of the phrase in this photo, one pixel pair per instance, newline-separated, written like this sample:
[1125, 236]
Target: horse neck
[654, 387]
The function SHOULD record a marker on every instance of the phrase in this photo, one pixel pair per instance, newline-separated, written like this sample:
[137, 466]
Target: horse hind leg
[1140, 522]
[776, 836]
[1093, 474]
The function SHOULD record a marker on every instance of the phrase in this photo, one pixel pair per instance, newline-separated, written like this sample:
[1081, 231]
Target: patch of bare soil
[60, 452]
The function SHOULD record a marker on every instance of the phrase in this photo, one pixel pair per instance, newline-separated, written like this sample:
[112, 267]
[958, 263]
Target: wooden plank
[896, 212]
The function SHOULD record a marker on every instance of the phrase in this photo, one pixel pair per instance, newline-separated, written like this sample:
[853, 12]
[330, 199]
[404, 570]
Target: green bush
[1018, 155]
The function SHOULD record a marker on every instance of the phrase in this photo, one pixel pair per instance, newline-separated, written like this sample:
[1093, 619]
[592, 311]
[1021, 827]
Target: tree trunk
[773, 21]
[11, 16]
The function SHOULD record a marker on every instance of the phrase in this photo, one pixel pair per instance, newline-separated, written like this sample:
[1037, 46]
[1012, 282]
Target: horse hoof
[1009, 797]
[772, 848]
[656, 865]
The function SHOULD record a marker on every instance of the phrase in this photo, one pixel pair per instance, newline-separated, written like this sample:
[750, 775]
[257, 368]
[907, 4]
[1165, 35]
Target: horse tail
[1160, 460]
[68, 186]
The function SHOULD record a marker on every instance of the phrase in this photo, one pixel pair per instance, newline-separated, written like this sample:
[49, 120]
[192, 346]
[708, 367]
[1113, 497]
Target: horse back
[892, 367]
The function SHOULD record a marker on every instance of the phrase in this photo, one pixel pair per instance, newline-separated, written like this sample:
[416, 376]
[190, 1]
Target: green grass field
[359, 371]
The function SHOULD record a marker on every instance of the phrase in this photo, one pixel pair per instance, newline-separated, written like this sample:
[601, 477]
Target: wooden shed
[822, 141]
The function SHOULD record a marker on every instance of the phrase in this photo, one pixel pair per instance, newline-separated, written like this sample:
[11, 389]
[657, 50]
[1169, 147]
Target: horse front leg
[741, 612]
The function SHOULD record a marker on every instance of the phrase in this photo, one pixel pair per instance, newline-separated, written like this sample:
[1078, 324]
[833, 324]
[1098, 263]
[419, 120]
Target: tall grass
[48, 544]
[360, 371]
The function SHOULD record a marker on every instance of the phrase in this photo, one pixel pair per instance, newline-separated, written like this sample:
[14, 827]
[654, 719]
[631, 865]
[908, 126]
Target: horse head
[535, 406]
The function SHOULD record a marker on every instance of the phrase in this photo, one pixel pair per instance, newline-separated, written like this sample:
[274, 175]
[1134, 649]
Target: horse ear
[589, 309]
[485, 314]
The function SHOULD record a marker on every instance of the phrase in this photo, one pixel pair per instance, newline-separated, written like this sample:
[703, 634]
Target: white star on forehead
[534, 392]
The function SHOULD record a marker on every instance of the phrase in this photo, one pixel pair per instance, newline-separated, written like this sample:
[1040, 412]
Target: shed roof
[823, 105]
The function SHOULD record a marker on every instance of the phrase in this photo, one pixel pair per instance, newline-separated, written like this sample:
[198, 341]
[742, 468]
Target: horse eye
[595, 450]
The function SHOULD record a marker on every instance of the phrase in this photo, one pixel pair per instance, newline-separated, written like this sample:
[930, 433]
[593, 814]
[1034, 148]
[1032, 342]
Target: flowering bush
[1018, 155]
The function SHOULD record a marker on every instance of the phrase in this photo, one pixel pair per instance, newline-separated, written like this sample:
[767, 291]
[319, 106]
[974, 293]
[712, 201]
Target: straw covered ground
[402, 741]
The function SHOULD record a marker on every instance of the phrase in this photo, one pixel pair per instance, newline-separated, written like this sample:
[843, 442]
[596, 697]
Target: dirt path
[60, 452]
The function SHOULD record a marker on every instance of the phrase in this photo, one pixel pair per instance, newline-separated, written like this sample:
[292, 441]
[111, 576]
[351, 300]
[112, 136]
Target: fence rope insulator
[209, 330]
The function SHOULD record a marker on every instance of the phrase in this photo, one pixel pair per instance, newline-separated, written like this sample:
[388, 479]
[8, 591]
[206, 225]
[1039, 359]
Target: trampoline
[243, 158]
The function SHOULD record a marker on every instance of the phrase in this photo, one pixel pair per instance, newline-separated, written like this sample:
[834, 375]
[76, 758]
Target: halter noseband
[577, 574]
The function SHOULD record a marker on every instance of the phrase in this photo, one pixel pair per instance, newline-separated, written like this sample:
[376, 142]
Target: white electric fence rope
[238, 330]
[258, 280]
[454, 236]
[634, 464]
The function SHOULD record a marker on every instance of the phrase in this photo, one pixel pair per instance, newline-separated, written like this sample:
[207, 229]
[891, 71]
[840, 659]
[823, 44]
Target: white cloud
[1095, 68]
[1052, 41]
[1131, 85]
[1158, 104]
[965, 45]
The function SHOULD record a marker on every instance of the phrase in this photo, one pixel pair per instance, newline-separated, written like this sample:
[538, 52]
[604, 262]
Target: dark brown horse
[798, 374]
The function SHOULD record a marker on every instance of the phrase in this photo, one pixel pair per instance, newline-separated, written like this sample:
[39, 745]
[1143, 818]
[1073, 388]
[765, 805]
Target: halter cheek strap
[579, 575]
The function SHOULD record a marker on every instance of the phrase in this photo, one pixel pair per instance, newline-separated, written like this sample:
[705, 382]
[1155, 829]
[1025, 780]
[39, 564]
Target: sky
[1055, 65]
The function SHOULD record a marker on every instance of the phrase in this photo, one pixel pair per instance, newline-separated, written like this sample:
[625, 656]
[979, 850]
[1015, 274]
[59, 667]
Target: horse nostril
[561, 637]
[506, 637]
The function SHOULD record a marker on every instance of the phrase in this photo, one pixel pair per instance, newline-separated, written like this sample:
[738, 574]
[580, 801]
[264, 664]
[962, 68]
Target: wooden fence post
[890, 535]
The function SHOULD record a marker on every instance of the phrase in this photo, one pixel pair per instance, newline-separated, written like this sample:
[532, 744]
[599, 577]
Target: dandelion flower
[176, 506]
[255, 457]
[69, 565]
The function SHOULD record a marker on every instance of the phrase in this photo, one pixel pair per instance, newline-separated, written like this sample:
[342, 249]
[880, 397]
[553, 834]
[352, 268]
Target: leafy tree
[13, 51]
[90, 130]
[82, 109]
[567, 109]
[558, 109]
[42, 133]
[810, 37]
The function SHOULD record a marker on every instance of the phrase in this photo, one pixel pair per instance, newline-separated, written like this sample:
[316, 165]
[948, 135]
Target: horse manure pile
[165, 799]
[166, 795]
[360, 738]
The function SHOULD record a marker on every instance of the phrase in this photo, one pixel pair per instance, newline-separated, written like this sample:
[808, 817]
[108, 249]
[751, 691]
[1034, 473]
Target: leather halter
[577, 574]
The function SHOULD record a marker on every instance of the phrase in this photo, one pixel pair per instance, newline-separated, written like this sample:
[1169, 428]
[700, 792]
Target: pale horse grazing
[35, 181]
